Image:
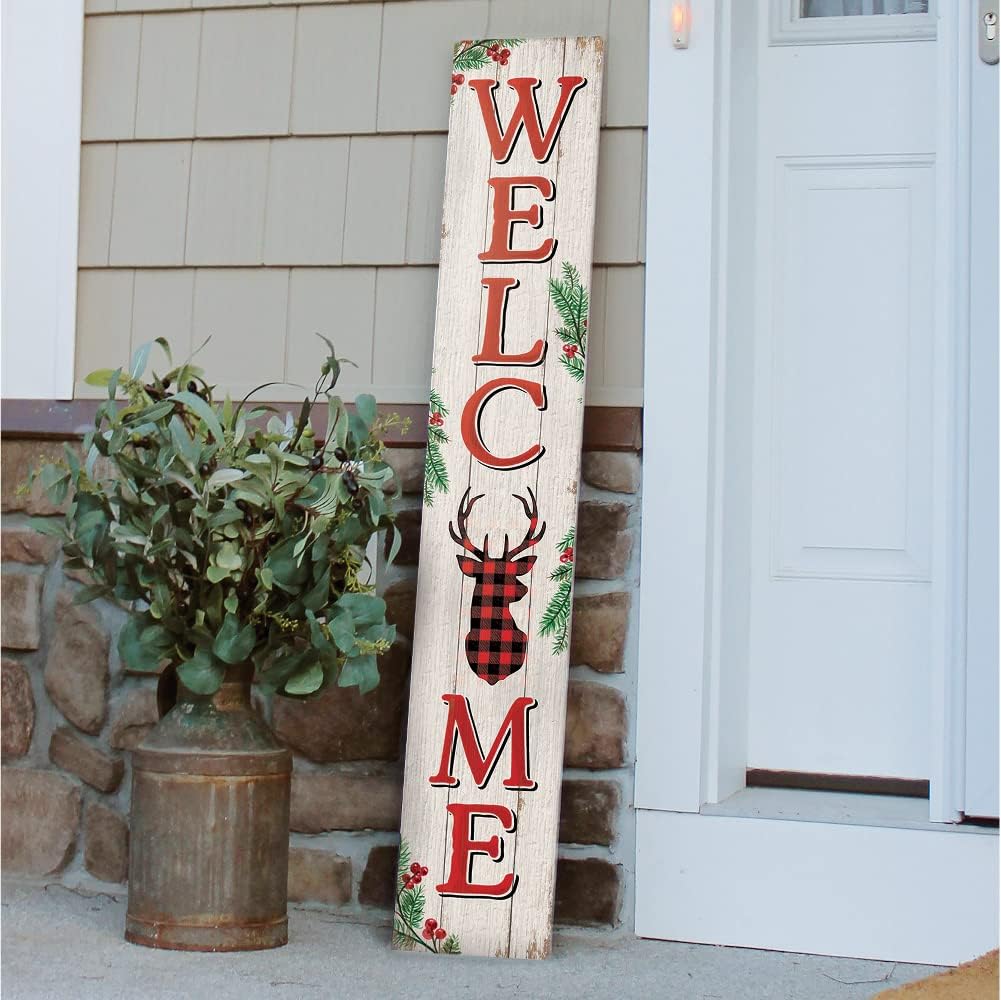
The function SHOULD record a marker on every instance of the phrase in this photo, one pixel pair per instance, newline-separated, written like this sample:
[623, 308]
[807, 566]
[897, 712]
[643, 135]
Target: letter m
[525, 115]
[460, 730]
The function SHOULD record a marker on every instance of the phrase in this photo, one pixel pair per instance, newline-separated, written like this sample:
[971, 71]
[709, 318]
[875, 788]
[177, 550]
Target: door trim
[821, 888]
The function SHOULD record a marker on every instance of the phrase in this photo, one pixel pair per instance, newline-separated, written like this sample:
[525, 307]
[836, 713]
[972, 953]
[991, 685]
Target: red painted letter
[505, 215]
[460, 728]
[473, 410]
[526, 114]
[464, 849]
[492, 349]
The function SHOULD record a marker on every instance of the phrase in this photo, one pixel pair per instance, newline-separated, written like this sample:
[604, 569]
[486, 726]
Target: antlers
[532, 513]
[462, 535]
[465, 506]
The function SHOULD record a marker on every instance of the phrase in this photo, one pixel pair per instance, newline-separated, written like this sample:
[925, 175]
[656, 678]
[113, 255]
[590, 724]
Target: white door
[841, 403]
[812, 427]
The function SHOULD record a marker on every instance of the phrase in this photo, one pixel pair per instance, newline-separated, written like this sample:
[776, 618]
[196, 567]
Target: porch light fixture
[681, 21]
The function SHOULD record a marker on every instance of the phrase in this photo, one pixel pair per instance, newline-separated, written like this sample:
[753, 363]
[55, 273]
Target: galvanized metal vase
[208, 865]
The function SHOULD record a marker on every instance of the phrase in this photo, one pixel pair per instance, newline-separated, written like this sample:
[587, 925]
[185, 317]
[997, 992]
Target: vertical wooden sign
[488, 688]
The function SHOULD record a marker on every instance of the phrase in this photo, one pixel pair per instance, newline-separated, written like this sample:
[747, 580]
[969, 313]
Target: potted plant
[235, 538]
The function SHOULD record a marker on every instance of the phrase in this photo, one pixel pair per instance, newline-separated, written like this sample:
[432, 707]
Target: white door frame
[689, 747]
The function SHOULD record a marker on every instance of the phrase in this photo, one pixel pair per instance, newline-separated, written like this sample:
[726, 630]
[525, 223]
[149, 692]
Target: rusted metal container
[208, 865]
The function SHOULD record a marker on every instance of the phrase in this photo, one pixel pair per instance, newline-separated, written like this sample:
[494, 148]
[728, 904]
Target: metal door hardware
[988, 31]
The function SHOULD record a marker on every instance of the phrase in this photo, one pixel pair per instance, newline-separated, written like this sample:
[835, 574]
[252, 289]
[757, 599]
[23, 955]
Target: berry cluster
[432, 931]
[498, 54]
[458, 79]
[436, 420]
[412, 879]
[570, 350]
[566, 556]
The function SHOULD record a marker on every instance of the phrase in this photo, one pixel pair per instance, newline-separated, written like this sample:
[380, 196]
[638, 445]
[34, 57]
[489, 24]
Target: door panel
[841, 501]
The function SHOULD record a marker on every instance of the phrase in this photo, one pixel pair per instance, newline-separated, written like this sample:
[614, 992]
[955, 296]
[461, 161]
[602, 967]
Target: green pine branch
[435, 472]
[566, 542]
[575, 367]
[437, 406]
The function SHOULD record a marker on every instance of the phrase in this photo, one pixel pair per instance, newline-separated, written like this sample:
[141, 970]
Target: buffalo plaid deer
[495, 646]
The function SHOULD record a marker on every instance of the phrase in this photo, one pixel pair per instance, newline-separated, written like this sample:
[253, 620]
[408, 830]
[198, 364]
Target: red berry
[427, 934]
[424, 871]
[440, 933]
[455, 90]
[458, 78]
[505, 53]
[493, 48]
[431, 922]
[415, 868]
[502, 60]
[404, 877]
[416, 880]
[569, 350]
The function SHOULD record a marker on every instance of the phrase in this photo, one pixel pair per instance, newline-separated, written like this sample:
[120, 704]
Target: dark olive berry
[316, 461]
[248, 519]
[274, 538]
[241, 505]
[204, 470]
[340, 454]
[166, 383]
[357, 503]
[350, 482]
[192, 387]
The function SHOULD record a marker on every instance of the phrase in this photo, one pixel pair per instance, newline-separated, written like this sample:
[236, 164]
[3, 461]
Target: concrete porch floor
[63, 944]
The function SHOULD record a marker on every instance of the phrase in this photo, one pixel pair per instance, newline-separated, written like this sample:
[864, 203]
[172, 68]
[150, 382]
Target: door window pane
[850, 8]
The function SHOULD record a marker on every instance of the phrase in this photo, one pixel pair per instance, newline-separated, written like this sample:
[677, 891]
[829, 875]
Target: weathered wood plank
[490, 642]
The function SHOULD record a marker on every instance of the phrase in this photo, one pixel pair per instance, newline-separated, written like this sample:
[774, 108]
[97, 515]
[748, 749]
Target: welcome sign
[489, 681]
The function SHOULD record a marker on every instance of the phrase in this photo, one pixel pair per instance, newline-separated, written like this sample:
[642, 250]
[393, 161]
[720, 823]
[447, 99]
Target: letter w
[525, 115]
[460, 728]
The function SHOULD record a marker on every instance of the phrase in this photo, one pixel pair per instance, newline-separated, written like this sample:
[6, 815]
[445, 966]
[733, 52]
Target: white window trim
[786, 27]
[42, 71]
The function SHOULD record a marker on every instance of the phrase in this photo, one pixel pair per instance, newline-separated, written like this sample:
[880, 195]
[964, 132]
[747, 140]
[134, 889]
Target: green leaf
[92, 592]
[100, 378]
[361, 672]
[48, 526]
[223, 476]
[306, 681]
[142, 644]
[234, 644]
[201, 409]
[396, 540]
[366, 408]
[450, 946]
[140, 359]
[201, 673]
[342, 631]
[365, 609]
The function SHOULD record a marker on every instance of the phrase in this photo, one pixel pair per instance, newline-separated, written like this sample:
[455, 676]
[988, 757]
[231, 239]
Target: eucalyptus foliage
[231, 533]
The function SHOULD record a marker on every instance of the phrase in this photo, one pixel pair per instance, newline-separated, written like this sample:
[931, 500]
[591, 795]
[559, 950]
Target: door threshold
[849, 808]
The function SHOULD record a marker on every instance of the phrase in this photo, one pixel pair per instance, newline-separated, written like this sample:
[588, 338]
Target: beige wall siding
[261, 172]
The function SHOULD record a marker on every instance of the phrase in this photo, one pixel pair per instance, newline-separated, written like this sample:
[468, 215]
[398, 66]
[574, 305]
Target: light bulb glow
[678, 18]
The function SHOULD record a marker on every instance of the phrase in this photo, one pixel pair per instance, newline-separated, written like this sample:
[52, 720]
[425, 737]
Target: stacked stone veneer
[71, 713]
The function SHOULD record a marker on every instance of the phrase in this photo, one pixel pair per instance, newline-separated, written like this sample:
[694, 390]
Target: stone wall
[71, 713]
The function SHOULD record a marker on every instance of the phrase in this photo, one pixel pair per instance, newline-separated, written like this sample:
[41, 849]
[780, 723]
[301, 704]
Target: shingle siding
[298, 149]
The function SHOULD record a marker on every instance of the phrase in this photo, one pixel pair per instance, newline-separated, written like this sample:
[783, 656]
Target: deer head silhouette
[495, 646]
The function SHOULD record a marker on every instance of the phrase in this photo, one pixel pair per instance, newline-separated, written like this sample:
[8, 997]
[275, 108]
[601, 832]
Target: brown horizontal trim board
[913, 788]
[606, 428]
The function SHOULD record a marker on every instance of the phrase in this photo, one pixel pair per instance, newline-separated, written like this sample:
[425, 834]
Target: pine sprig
[409, 928]
[435, 469]
[555, 620]
[566, 542]
[570, 299]
[473, 54]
